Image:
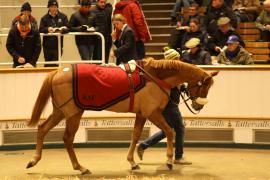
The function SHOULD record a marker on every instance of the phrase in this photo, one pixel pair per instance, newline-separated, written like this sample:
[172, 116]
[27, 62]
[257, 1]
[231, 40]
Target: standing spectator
[234, 54]
[247, 10]
[103, 24]
[79, 22]
[26, 10]
[195, 54]
[133, 13]
[219, 39]
[125, 43]
[218, 9]
[173, 117]
[23, 43]
[53, 21]
[263, 21]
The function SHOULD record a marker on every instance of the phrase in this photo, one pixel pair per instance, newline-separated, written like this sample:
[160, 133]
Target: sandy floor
[110, 163]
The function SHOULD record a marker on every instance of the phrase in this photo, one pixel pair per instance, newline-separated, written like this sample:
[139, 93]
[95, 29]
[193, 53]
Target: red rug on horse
[98, 87]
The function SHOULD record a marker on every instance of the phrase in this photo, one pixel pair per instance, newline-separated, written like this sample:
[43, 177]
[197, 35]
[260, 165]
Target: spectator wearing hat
[53, 22]
[79, 21]
[173, 117]
[26, 10]
[103, 24]
[234, 54]
[125, 42]
[263, 21]
[195, 54]
[218, 40]
[216, 10]
[133, 13]
[23, 43]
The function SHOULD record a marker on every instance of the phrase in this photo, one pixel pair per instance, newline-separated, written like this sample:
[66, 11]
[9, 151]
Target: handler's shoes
[140, 151]
[182, 161]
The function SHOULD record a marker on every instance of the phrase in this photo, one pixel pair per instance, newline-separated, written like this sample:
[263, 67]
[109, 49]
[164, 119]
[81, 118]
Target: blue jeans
[86, 51]
[174, 118]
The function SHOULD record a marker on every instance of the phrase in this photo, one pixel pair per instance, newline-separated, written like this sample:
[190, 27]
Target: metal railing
[60, 61]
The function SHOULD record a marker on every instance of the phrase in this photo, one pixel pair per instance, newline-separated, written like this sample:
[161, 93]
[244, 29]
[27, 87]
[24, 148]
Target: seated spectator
[246, 11]
[194, 32]
[26, 10]
[195, 54]
[263, 21]
[179, 4]
[218, 40]
[82, 21]
[182, 26]
[53, 21]
[218, 9]
[234, 54]
[23, 43]
[125, 43]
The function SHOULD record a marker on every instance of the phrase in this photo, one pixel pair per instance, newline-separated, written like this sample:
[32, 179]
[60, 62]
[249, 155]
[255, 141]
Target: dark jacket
[60, 20]
[28, 47]
[33, 21]
[125, 46]
[201, 57]
[219, 39]
[102, 20]
[77, 19]
[213, 14]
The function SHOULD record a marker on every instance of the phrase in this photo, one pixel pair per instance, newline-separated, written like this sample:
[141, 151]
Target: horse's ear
[214, 73]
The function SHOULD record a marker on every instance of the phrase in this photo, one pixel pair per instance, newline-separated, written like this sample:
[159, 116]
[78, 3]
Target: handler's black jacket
[60, 20]
[28, 47]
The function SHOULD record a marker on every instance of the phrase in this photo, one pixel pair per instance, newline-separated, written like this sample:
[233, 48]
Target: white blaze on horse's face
[202, 101]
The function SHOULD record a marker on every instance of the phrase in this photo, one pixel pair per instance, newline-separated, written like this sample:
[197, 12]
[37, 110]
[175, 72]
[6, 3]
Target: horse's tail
[42, 99]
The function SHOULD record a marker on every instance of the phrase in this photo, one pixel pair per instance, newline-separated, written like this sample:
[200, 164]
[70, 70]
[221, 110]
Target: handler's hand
[21, 60]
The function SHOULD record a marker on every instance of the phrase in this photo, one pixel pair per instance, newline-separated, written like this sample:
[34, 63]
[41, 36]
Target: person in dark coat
[80, 21]
[218, 9]
[195, 54]
[103, 24]
[53, 22]
[26, 10]
[23, 43]
[125, 44]
[220, 37]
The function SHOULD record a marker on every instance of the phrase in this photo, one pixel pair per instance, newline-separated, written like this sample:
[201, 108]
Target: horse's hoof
[29, 165]
[136, 167]
[170, 166]
[86, 172]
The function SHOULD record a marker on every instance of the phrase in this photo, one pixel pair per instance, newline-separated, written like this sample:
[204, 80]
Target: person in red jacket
[133, 13]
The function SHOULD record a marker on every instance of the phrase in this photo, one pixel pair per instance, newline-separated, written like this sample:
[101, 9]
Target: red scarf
[24, 32]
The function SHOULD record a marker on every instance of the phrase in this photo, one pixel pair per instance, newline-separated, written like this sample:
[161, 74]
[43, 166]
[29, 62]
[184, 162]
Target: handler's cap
[85, 3]
[52, 2]
[223, 20]
[171, 54]
[232, 39]
[192, 43]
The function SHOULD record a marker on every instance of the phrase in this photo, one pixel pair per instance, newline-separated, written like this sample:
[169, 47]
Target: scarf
[24, 32]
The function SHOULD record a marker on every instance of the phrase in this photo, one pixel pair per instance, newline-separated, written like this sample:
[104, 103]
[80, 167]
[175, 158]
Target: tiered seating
[251, 35]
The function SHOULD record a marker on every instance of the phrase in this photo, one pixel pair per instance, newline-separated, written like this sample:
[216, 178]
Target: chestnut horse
[149, 104]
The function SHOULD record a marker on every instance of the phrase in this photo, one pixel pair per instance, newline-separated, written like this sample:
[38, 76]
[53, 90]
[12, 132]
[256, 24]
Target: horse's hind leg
[72, 126]
[43, 129]
[137, 130]
[158, 119]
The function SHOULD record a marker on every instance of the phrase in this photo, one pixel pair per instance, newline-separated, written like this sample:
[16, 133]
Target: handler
[173, 117]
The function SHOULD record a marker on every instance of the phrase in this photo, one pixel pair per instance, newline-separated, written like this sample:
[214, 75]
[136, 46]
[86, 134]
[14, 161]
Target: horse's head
[198, 90]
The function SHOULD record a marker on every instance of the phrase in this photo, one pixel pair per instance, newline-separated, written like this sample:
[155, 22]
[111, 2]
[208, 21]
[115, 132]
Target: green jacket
[262, 20]
[243, 57]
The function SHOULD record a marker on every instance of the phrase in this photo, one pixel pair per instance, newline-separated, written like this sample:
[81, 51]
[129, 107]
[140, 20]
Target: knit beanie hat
[171, 54]
[26, 7]
[192, 43]
[85, 3]
[52, 2]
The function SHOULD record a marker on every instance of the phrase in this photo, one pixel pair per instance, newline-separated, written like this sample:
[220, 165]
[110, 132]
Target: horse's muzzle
[201, 101]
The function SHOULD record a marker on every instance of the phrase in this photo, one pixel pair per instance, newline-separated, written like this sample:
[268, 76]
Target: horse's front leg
[137, 130]
[158, 119]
